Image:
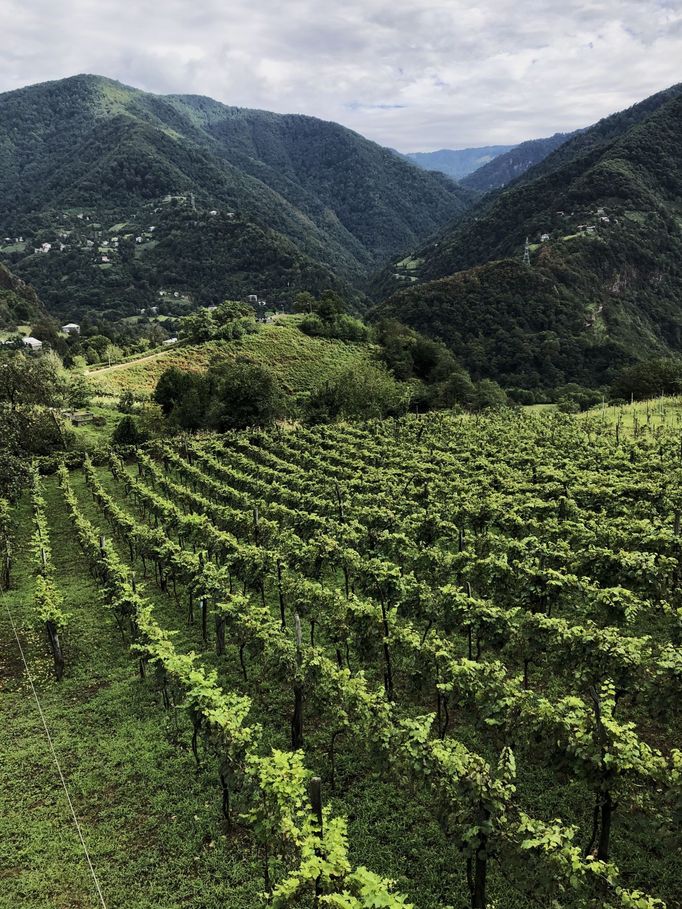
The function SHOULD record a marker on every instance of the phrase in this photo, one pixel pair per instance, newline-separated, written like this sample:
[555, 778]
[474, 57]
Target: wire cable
[56, 760]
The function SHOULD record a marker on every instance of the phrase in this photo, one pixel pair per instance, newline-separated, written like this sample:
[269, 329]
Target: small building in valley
[32, 343]
[80, 417]
[71, 328]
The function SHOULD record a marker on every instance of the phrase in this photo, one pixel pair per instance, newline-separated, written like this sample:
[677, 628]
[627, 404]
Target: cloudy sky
[413, 74]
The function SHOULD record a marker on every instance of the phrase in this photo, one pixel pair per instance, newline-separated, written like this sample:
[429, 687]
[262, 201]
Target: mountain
[605, 284]
[323, 199]
[513, 162]
[457, 163]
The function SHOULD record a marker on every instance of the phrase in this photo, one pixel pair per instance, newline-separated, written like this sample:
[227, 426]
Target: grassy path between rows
[150, 819]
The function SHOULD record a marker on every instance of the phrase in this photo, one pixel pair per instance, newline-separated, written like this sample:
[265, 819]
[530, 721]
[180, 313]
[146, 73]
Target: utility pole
[526, 254]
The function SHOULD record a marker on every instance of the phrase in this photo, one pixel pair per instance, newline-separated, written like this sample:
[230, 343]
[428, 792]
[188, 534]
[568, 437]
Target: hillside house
[43, 248]
[170, 341]
[544, 238]
[106, 259]
[32, 343]
[252, 298]
[71, 328]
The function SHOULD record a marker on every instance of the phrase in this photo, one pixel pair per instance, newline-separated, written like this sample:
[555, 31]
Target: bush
[358, 394]
[241, 395]
[488, 396]
[127, 433]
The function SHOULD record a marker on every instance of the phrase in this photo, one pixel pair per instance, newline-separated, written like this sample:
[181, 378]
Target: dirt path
[127, 363]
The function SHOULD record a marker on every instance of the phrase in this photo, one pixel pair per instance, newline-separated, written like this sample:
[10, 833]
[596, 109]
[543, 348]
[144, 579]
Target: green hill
[319, 194]
[605, 287]
[300, 362]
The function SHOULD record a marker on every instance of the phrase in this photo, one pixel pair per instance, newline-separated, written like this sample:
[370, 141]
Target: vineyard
[431, 662]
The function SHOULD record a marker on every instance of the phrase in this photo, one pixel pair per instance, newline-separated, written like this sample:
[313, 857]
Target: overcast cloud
[415, 75]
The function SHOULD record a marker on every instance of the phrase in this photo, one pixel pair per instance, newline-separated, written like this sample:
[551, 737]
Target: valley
[340, 522]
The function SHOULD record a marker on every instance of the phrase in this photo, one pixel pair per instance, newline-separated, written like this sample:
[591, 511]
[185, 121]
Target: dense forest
[90, 146]
[603, 284]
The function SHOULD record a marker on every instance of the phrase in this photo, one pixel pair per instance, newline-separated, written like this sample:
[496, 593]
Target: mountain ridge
[603, 218]
[92, 143]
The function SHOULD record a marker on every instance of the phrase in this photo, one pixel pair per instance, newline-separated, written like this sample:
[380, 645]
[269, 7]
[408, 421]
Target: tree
[173, 385]
[198, 327]
[126, 403]
[489, 395]
[358, 393]
[127, 432]
[28, 381]
[329, 306]
[242, 394]
[648, 379]
[78, 393]
[304, 302]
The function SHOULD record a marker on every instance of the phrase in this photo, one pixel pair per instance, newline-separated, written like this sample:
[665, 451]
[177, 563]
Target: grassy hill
[88, 151]
[604, 220]
[300, 362]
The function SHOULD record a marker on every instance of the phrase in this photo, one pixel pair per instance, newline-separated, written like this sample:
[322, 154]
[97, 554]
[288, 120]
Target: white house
[544, 238]
[170, 341]
[33, 343]
[71, 328]
[106, 259]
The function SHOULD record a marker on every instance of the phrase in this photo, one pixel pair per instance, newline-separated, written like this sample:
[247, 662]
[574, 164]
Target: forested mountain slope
[604, 287]
[88, 146]
[19, 303]
[509, 165]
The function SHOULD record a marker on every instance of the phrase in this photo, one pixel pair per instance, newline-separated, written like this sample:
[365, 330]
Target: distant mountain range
[509, 165]
[602, 214]
[457, 163]
[301, 203]
[491, 166]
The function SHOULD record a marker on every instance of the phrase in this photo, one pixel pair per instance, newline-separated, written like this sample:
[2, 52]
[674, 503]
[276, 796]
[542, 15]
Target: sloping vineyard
[485, 614]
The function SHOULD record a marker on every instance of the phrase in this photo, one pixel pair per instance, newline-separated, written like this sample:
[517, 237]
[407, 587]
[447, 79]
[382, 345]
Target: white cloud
[414, 74]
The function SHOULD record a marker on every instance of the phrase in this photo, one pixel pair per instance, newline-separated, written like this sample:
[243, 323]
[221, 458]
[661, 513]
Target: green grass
[91, 435]
[300, 362]
[654, 414]
[20, 329]
[150, 819]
